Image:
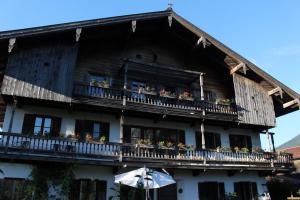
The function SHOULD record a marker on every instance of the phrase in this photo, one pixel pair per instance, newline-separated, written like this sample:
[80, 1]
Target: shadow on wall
[41, 72]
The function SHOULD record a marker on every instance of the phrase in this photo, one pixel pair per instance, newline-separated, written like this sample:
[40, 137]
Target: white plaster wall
[15, 170]
[184, 178]
[189, 183]
[68, 124]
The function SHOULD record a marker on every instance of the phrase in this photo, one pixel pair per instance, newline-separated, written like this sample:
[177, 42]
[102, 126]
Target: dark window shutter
[249, 142]
[28, 124]
[221, 191]
[75, 190]
[181, 137]
[105, 130]
[254, 190]
[238, 190]
[101, 190]
[56, 122]
[126, 134]
[79, 128]
[198, 140]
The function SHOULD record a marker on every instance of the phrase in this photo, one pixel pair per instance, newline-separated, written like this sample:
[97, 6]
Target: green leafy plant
[169, 144]
[244, 150]
[117, 192]
[59, 175]
[231, 196]
[102, 139]
[225, 149]
[181, 146]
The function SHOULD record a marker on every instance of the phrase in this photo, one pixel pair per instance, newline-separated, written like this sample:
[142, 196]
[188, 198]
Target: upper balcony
[152, 88]
[24, 147]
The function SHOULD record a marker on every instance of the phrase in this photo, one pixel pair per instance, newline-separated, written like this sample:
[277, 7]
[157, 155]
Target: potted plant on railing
[88, 137]
[103, 84]
[72, 137]
[236, 149]
[257, 150]
[224, 149]
[94, 83]
[244, 150]
[165, 93]
[102, 140]
[186, 96]
[225, 102]
[231, 196]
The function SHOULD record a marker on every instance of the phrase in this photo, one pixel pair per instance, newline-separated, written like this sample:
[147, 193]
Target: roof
[149, 16]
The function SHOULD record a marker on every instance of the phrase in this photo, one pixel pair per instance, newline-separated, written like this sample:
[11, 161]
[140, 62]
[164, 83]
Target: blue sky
[266, 32]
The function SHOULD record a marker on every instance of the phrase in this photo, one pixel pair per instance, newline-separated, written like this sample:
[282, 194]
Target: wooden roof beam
[78, 33]
[133, 25]
[170, 19]
[276, 91]
[292, 103]
[11, 44]
[203, 41]
[239, 67]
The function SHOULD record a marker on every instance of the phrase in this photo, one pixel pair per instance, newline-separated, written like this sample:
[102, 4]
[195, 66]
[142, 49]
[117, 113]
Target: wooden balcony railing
[85, 90]
[18, 145]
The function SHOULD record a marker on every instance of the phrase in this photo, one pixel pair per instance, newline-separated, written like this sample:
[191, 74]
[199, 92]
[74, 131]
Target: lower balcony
[34, 148]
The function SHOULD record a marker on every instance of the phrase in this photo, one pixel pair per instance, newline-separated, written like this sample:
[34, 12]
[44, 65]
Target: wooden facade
[254, 104]
[41, 72]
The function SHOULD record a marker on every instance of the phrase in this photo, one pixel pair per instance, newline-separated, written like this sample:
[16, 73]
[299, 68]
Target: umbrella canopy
[144, 178]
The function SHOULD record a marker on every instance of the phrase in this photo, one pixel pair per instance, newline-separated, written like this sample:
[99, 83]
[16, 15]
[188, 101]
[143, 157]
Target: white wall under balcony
[184, 178]
[68, 124]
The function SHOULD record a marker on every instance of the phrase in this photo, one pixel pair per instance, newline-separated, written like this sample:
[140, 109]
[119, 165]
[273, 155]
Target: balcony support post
[125, 75]
[272, 140]
[201, 86]
[11, 123]
[269, 141]
[121, 134]
[202, 135]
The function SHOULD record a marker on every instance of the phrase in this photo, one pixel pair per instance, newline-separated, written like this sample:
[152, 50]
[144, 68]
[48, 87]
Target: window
[211, 191]
[210, 96]
[240, 141]
[133, 133]
[167, 193]
[95, 128]
[212, 140]
[137, 89]
[88, 190]
[41, 125]
[246, 190]
[12, 189]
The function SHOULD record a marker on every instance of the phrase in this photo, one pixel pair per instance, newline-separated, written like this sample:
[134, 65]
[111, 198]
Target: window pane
[47, 122]
[37, 130]
[46, 130]
[38, 121]
[135, 135]
[149, 134]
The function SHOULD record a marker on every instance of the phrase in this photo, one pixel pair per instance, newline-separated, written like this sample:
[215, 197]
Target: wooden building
[149, 89]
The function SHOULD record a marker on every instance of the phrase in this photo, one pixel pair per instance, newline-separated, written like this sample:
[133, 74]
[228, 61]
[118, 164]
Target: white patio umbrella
[145, 178]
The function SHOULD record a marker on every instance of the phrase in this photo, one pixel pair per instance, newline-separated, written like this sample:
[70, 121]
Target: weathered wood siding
[44, 72]
[106, 58]
[254, 104]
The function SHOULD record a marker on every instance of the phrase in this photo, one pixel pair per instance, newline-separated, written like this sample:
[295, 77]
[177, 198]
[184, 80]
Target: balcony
[151, 102]
[17, 146]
